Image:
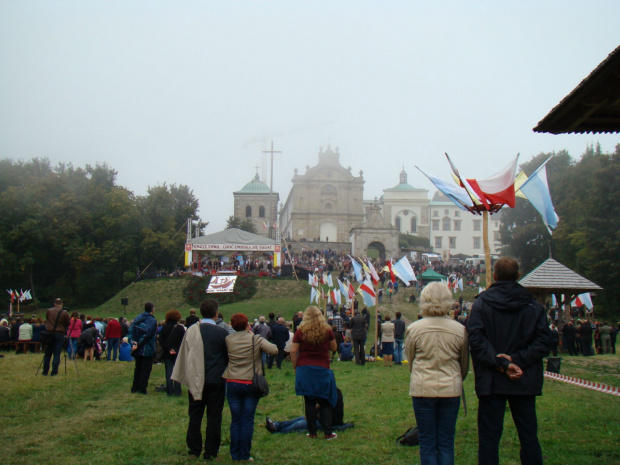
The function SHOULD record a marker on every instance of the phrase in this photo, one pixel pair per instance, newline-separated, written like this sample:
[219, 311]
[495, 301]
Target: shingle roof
[554, 277]
[593, 106]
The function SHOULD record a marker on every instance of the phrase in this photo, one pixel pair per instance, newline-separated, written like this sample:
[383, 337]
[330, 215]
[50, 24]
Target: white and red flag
[498, 189]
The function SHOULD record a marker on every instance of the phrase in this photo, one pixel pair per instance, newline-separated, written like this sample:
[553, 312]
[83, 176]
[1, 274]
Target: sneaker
[270, 425]
[311, 436]
[329, 437]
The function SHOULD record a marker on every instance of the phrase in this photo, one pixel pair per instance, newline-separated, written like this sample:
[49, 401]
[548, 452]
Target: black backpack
[410, 438]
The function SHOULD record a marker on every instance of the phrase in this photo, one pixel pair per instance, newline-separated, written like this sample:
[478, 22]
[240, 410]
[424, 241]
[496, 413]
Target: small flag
[372, 272]
[343, 289]
[460, 283]
[499, 189]
[330, 282]
[368, 293]
[357, 268]
[313, 295]
[536, 189]
[402, 268]
[351, 291]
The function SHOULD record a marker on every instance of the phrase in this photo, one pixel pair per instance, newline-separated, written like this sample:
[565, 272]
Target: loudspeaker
[124, 301]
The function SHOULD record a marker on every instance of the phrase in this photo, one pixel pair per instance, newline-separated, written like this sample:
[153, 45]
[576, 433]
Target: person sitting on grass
[300, 424]
[346, 350]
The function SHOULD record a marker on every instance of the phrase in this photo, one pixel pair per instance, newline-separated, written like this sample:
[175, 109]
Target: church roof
[555, 278]
[255, 186]
[403, 187]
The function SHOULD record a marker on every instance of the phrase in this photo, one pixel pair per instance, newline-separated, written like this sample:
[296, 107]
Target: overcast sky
[192, 92]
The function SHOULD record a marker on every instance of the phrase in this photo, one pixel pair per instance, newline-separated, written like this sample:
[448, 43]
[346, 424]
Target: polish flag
[498, 189]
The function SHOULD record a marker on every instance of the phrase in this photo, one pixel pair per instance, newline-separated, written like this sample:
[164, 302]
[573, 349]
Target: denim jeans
[72, 349]
[398, 350]
[436, 420]
[113, 347]
[242, 402]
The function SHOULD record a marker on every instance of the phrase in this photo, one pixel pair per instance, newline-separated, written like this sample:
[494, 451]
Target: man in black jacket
[509, 337]
[358, 337]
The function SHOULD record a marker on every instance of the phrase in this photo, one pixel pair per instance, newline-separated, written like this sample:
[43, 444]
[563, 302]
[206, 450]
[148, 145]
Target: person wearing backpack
[142, 337]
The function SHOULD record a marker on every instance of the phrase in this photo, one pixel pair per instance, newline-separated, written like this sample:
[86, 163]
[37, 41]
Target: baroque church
[326, 204]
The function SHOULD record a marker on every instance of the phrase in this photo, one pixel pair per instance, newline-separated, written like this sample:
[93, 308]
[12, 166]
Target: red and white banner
[220, 284]
[227, 247]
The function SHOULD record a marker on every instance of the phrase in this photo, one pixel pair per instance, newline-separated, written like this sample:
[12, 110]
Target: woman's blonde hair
[435, 300]
[313, 326]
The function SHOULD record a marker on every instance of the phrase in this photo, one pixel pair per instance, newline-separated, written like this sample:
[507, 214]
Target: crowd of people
[506, 333]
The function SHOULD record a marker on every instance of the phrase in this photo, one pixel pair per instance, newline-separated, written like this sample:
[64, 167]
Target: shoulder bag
[259, 382]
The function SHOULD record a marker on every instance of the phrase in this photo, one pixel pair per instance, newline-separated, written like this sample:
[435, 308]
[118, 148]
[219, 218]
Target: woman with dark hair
[244, 359]
[438, 355]
[170, 338]
[310, 356]
[73, 333]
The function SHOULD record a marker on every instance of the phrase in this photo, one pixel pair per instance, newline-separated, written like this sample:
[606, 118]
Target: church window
[248, 212]
[435, 213]
[445, 223]
[398, 223]
[414, 224]
[435, 225]
[261, 211]
[328, 206]
[477, 225]
[457, 225]
[328, 189]
[457, 213]
[476, 242]
[438, 242]
[453, 242]
[446, 212]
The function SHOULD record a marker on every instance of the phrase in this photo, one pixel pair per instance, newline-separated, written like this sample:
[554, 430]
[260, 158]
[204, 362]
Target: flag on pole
[335, 296]
[343, 288]
[357, 268]
[460, 284]
[402, 268]
[372, 272]
[583, 299]
[311, 279]
[536, 189]
[313, 295]
[351, 291]
[499, 188]
[454, 193]
[323, 280]
[330, 282]
[388, 267]
[368, 293]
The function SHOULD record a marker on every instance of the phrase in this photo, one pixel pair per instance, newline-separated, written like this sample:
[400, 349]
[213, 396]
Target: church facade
[324, 203]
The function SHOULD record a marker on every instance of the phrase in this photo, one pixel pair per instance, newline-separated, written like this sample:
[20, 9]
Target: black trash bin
[553, 364]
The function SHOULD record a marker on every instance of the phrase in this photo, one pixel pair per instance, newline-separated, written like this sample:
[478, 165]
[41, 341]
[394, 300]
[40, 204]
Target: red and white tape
[586, 384]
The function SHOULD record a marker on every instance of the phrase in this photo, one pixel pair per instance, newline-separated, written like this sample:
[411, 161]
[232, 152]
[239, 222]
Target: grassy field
[90, 417]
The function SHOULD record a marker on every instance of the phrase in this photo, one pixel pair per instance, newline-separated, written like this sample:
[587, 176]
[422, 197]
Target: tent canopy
[431, 275]
[232, 240]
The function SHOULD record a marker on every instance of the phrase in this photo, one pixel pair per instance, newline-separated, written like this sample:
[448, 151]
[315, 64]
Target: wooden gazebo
[551, 277]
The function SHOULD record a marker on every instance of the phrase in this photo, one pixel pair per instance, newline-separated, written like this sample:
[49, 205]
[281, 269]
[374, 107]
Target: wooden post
[487, 249]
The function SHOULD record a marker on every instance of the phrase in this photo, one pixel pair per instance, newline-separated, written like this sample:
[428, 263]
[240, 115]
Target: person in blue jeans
[245, 351]
[438, 355]
[399, 338]
[300, 423]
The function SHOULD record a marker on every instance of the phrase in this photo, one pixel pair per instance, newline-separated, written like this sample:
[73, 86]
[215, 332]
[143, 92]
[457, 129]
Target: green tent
[431, 275]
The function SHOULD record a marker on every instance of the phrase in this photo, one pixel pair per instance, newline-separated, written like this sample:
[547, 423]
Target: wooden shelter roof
[593, 106]
[554, 278]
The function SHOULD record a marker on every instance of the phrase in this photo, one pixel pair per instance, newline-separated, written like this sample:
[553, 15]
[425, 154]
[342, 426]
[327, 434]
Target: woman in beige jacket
[244, 356]
[438, 355]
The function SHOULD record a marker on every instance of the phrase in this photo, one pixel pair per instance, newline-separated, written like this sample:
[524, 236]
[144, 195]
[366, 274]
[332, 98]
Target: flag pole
[487, 249]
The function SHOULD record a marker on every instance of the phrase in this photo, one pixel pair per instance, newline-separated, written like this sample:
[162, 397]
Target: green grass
[91, 417]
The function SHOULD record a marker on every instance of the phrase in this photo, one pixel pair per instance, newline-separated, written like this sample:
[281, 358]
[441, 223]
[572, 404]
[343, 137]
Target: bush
[196, 290]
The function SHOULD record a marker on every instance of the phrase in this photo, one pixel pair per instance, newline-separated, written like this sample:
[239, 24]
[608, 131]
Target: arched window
[261, 211]
[445, 224]
[328, 206]
[248, 212]
[398, 223]
[414, 224]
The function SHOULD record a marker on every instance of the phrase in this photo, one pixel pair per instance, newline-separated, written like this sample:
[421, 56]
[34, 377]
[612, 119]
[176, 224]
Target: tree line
[74, 233]
[586, 196]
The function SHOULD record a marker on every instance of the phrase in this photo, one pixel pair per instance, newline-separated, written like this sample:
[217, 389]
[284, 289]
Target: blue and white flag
[357, 268]
[536, 189]
[402, 269]
[456, 194]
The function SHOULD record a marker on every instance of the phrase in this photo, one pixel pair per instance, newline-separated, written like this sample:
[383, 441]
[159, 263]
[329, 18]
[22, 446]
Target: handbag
[410, 438]
[259, 382]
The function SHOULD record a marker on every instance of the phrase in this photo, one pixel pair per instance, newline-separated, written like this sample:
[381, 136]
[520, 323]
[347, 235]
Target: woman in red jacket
[113, 336]
[73, 332]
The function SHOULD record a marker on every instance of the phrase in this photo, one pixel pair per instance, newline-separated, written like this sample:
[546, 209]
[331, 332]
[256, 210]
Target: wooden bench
[26, 345]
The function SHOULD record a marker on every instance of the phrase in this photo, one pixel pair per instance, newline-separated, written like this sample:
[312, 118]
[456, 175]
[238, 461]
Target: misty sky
[192, 92]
